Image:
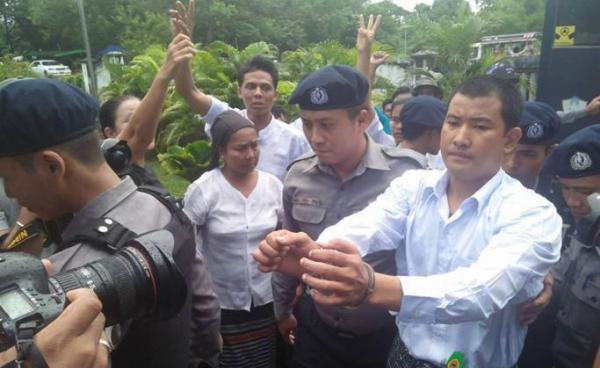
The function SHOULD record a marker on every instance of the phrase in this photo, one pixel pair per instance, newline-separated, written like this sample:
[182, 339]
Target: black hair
[413, 131]
[355, 110]
[277, 111]
[85, 150]
[400, 101]
[402, 90]
[108, 112]
[508, 94]
[258, 63]
[387, 102]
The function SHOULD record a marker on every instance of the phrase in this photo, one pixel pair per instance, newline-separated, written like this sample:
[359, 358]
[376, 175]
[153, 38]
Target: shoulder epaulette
[306, 156]
[398, 152]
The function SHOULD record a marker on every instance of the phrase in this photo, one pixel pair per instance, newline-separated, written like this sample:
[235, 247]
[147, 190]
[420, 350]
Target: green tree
[512, 16]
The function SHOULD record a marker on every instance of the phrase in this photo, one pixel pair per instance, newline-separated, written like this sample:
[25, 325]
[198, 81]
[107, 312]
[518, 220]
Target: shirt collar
[480, 197]
[373, 158]
[99, 206]
[268, 129]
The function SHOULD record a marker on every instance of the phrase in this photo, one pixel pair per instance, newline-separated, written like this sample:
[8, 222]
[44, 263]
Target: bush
[14, 69]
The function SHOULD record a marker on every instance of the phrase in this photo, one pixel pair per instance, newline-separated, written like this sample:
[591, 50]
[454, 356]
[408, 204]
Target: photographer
[52, 164]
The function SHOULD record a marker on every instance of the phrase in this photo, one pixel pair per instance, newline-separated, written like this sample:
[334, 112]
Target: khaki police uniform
[314, 197]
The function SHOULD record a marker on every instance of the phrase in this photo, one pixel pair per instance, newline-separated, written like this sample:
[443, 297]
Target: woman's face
[122, 116]
[241, 153]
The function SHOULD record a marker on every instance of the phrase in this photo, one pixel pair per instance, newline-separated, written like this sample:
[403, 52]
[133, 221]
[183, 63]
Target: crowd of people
[421, 233]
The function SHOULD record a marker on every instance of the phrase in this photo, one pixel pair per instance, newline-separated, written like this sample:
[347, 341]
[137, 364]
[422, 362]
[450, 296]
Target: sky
[410, 4]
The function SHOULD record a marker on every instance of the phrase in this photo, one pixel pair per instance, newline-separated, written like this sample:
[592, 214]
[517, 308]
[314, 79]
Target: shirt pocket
[581, 309]
[307, 213]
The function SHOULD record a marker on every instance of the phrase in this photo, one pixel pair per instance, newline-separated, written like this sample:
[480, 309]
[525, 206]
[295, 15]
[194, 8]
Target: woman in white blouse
[234, 207]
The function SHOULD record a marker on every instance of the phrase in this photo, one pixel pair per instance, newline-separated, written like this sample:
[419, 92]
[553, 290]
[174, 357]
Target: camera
[139, 280]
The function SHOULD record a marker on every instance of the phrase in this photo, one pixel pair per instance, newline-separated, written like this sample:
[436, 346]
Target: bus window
[583, 14]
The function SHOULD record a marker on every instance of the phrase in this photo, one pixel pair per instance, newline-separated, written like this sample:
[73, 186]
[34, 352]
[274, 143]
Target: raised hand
[366, 34]
[181, 50]
[378, 58]
[182, 20]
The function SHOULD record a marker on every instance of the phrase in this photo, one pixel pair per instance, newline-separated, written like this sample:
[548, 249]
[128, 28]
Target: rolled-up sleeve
[216, 108]
[509, 270]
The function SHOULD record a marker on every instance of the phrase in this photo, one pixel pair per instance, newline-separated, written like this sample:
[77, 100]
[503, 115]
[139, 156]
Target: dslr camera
[139, 280]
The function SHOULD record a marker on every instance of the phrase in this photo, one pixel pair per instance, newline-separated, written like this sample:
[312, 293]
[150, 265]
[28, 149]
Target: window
[583, 14]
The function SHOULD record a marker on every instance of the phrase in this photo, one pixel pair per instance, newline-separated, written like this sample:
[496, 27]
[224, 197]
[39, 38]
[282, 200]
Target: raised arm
[182, 21]
[364, 44]
[141, 129]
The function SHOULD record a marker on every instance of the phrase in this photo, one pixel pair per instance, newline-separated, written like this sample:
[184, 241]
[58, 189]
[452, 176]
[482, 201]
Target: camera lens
[139, 280]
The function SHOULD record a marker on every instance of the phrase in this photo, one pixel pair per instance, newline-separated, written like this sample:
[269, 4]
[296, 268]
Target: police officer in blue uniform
[540, 125]
[573, 326]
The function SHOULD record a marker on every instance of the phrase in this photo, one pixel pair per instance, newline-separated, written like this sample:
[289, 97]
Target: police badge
[318, 96]
[580, 161]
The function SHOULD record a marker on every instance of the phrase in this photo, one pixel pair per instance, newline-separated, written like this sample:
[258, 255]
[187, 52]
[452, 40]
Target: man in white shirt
[280, 144]
[472, 244]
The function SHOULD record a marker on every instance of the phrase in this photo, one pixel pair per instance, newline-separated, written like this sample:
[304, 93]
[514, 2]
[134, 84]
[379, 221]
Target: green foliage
[512, 16]
[189, 161]
[14, 69]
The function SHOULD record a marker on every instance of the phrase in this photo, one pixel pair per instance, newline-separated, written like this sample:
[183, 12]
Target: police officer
[52, 164]
[346, 171]
[540, 125]
[422, 118]
[577, 275]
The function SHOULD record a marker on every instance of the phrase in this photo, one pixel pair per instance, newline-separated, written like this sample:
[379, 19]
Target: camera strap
[104, 233]
[26, 348]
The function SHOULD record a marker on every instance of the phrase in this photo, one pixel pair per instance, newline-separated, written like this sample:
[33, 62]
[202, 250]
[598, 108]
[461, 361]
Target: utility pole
[88, 50]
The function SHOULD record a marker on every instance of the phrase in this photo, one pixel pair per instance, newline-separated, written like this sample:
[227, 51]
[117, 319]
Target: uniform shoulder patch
[304, 157]
[398, 152]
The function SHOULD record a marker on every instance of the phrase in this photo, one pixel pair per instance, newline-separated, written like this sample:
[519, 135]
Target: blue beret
[539, 123]
[503, 70]
[578, 155]
[41, 113]
[424, 110]
[333, 87]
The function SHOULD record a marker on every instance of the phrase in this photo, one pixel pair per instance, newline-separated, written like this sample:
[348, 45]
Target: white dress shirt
[376, 132]
[230, 226]
[463, 276]
[279, 143]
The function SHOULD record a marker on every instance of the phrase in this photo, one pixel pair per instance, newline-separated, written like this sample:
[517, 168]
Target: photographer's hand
[73, 339]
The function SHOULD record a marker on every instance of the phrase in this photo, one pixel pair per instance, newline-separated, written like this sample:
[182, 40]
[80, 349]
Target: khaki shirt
[314, 198]
[141, 212]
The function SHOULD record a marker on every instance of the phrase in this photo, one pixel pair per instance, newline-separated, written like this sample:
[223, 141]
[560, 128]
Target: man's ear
[511, 139]
[108, 132]
[363, 119]
[50, 164]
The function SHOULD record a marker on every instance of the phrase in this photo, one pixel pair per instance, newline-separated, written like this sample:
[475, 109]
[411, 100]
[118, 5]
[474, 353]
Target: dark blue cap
[424, 110]
[539, 123]
[503, 70]
[578, 155]
[41, 113]
[333, 87]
